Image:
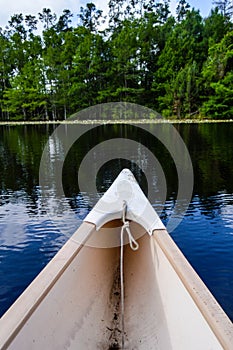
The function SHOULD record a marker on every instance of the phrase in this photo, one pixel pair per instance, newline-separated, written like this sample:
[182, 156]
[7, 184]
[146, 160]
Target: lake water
[30, 236]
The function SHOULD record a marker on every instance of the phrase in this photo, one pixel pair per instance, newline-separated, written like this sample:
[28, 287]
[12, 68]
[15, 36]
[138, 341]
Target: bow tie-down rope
[134, 246]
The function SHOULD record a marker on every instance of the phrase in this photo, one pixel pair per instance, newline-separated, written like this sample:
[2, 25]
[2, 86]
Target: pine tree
[182, 9]
[47, 18]
[225, 7]
[218, 77]
[90, 17]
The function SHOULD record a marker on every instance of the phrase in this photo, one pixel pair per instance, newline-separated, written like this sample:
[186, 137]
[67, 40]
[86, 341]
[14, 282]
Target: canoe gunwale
[19, 313]
[216, 318]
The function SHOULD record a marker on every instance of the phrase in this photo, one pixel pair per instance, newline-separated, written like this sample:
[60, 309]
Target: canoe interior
[76, 303]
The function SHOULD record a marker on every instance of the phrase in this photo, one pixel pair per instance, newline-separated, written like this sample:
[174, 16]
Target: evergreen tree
[182, 9]
[218, 77]
[88, 69]
[16, 26]
[225, 7]
[162, 11]
[90, 17]
[177, 66]
[31, 23]
[5, 71]
[215, 27]
[47, 18]
[182, 51]
[64, 21]
[116, 12]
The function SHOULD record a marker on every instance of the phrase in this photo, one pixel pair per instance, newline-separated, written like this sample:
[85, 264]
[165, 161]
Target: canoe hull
[75, 302]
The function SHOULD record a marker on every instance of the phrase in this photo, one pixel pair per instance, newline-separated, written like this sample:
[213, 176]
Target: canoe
[119, 282]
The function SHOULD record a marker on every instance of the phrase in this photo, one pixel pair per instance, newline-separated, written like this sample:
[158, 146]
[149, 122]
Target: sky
[32, 7]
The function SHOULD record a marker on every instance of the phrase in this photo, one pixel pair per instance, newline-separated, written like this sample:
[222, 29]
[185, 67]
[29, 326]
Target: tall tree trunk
[24, 114]
[65, 112]
[46, 113]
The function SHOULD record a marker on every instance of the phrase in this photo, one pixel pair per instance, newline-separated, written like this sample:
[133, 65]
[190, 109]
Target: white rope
[134, 246]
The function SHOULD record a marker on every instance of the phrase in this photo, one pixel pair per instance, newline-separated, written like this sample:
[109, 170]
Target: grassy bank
[119, 121]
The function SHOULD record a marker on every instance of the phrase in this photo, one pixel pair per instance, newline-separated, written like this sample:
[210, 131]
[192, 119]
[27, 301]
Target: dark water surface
[29, 236]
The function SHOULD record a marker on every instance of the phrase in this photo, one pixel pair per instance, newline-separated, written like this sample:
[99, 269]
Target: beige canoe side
[15, 318]
[156, 302]
[217, 320]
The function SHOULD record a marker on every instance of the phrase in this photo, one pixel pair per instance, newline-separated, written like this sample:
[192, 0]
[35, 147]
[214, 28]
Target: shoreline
[119, 121]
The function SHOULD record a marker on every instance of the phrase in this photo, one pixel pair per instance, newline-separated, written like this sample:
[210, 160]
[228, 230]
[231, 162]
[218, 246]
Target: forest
[179, 65]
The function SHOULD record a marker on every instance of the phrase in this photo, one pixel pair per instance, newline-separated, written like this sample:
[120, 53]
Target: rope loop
[133, 243]
[134, 246]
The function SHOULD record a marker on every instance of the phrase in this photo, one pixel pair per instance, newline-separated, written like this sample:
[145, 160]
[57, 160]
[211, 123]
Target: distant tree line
[181, 66]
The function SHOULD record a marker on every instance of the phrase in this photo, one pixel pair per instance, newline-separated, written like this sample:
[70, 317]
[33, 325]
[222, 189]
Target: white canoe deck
[74, 303]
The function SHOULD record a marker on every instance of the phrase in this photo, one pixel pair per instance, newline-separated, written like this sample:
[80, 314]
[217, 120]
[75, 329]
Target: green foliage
[179, 65]
[218, 76]
[182, 67]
